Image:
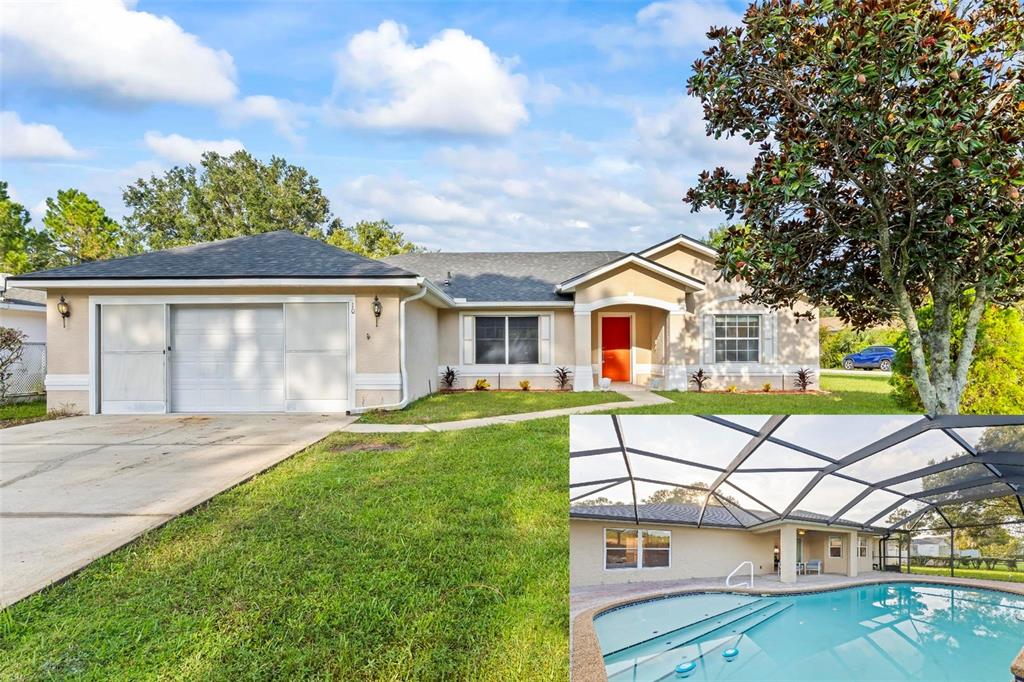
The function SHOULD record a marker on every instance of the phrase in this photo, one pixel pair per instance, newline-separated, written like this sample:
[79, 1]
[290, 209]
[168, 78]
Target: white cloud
[181, 149]
[106, 47]
[19, 140]
[453, 84]
[680, 23]
[675, 134]
[281, 113]
[673, 24]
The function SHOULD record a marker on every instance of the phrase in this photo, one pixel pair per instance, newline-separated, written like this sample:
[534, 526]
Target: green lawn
[442, 407]
[415, 556]
[856, 394]
[979, 573]
[19, 412]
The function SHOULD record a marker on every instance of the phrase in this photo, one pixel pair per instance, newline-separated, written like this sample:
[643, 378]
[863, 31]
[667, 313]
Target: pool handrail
[737, 570]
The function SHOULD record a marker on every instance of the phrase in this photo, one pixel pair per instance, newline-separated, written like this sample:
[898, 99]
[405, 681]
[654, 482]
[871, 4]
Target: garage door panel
[317, 327]
[317, 376]
[132, 361]
[227, 358]
[317, 352]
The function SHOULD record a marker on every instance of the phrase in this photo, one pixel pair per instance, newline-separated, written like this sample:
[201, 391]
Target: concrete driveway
[75, 489]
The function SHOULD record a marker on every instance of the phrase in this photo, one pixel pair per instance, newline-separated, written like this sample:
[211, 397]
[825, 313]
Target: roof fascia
[213, 283]
[690, 242]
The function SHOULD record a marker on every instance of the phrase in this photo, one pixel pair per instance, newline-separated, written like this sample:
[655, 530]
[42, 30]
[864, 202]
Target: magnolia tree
[890, 167]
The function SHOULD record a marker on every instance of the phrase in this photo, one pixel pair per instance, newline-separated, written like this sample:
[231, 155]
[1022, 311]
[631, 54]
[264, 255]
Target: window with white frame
[737, 338]
[637, 548]
[507, 340]
[862, 546]
[835, 547]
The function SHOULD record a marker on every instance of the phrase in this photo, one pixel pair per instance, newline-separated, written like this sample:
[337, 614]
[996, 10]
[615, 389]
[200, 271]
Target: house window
[737, 338]
[637, 548]
[862, 546]
[507, 340]
[835, 547]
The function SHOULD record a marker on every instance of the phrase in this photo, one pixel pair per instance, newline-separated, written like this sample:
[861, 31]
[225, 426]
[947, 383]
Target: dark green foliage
[562, 379]
[699, 379]
[994, 383]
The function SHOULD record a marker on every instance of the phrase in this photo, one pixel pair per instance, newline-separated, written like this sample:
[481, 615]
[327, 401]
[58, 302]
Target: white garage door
[227, 358]
[132, 362]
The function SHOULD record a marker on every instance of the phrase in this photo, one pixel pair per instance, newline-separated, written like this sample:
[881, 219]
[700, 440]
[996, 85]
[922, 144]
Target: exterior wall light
[65, 311]
[378, 308]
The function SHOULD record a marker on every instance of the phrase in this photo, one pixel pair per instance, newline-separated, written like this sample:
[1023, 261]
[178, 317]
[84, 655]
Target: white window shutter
[769, 337]
[544, 339]
[709, 338]
[468, 347]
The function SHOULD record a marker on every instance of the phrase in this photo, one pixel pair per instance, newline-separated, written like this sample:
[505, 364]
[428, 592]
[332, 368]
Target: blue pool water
[894, 631]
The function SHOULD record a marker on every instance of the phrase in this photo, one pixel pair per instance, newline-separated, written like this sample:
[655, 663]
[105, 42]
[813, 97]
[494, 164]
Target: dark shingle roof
[268, 255]
[687, 514]
[516, 276]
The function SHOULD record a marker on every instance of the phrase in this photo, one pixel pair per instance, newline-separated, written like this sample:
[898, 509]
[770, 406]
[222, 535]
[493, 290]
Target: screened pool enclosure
[906, 492]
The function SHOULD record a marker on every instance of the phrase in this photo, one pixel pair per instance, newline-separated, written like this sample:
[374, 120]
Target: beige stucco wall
[696, 553]
[450, 343]
[377, 349]
[630, 280]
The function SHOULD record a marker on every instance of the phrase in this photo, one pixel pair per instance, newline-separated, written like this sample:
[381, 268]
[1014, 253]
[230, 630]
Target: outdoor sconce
[65, 311]
[378, 308]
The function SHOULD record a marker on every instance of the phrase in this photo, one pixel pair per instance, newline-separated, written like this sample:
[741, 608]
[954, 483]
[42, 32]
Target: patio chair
[814, 565]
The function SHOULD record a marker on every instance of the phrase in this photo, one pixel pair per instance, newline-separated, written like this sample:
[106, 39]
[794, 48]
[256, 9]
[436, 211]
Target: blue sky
[516, 126]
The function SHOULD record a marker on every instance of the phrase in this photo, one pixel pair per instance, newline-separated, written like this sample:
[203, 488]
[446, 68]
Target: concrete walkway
[638, 397]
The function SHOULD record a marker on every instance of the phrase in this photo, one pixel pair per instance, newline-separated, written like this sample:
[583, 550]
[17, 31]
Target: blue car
[872, 357]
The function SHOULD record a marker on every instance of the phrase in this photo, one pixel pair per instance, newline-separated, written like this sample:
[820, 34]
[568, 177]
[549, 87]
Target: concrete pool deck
[587, 662]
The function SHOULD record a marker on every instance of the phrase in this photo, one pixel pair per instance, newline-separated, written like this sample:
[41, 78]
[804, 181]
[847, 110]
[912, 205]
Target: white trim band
[66, 382]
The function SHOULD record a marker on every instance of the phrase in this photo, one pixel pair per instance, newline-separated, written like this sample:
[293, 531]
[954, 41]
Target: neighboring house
[937, 546]
[280, 322]
[606, 546]
[25, 310]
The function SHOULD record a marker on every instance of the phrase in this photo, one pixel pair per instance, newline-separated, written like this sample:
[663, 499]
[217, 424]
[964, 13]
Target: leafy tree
[716, 236]
[593, 502]
[993, 382]
[22, 248]
[79, 230]
[373, 239]
[12, 346]
[227, 196]
[890, 164]
[835, 344]
[694, 494]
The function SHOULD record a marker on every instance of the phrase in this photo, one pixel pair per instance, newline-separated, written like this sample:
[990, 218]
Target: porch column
[583, 373]
[675, 367]
[787, 553]
[852, 560]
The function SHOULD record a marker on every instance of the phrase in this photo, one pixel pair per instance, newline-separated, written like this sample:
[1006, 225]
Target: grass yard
[978, 573]
[13, 414]
[415, 556]
[847, 394]
[442, 407]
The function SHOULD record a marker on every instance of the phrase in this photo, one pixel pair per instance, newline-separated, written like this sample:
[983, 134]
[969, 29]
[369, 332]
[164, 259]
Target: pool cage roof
[880, 474]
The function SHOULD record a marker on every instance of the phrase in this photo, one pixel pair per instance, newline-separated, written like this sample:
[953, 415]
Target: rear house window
[637, 548]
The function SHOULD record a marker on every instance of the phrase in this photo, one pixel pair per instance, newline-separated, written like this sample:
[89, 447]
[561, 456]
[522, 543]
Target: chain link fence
[27, 380]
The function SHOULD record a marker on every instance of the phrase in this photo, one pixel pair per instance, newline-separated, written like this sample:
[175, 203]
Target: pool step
[690, 630]
[661, 665]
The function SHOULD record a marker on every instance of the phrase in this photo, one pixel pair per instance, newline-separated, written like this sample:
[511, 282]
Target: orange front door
[615, 347]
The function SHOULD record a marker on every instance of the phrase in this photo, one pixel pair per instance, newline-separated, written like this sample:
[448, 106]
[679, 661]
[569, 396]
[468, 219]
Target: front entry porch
[627, 344]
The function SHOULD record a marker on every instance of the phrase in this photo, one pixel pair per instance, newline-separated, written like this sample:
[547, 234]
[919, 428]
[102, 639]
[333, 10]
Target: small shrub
[804, 378]
[766, 387]
[64, 410]
[699, 378]
[12, 345]
[449, 376]
[524, 384]
[731, 388]
[562, 377]
[481, 385]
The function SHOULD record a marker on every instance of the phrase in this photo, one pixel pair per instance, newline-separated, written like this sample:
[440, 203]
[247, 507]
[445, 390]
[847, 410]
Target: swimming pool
[889, 631]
